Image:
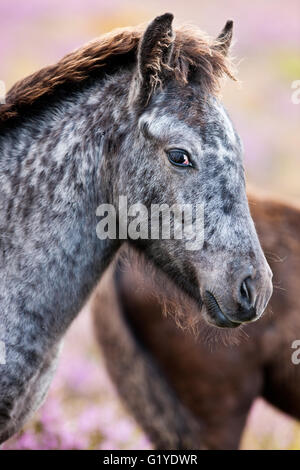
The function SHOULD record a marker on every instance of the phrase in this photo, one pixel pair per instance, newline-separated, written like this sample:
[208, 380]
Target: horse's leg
[226, 433]
[32, 399]
[139, 381]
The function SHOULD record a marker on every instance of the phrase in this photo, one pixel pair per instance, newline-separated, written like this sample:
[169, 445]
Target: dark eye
[179, 158]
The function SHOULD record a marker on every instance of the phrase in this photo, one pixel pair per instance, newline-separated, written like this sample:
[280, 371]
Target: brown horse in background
[189, 394]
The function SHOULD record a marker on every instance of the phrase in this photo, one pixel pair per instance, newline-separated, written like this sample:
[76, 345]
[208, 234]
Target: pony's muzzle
[252, 295]
[244, 304]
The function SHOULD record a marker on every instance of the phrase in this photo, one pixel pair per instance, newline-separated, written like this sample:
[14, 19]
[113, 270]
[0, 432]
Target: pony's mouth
[216, 316]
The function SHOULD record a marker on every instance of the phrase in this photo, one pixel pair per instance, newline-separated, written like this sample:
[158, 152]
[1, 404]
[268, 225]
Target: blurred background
[82, 409]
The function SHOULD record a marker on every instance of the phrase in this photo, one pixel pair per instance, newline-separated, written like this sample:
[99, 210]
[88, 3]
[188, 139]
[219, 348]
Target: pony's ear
[153, 59]
[223, 41]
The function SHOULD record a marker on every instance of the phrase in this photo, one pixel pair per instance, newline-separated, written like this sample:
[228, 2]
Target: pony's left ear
[223, 41]
[154, 55]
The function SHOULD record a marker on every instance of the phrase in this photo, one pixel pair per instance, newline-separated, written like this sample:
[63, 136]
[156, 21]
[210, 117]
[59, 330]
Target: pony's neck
[54, 181]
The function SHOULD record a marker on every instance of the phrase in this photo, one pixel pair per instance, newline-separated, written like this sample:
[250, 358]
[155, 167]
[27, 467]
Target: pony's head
[180, 148]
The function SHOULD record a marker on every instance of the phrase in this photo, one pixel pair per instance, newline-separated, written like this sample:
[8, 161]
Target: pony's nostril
[246, 292]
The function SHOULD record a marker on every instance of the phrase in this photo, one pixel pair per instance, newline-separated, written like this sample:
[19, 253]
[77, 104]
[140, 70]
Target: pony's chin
[214, 315]
[219, 321]
[210, 311]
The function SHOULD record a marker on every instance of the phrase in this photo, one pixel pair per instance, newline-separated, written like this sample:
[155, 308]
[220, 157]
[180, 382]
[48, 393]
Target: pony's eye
[179, 158]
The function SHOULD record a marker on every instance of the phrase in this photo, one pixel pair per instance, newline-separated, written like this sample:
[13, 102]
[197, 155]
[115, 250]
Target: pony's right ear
[154, 54]
[223, 41]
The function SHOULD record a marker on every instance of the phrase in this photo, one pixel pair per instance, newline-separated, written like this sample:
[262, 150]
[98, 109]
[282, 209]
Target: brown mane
[191, 49]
